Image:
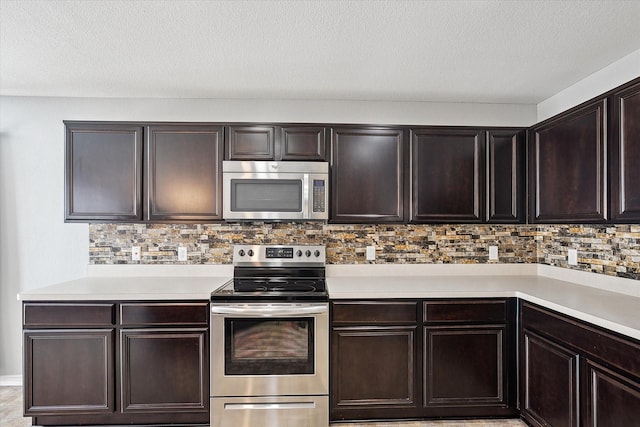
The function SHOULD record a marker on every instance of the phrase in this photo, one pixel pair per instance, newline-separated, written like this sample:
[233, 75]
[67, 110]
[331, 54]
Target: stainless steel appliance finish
[275, 191]
[301, 411]
[270, 339]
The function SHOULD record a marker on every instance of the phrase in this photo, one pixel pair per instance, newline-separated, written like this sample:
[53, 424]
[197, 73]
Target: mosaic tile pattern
[212, 243]
[606, 249]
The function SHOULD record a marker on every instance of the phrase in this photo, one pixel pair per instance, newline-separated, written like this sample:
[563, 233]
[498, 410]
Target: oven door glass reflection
[269, 346]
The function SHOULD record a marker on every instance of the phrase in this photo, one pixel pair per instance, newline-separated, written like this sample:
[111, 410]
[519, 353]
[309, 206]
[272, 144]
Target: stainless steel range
[270, 339]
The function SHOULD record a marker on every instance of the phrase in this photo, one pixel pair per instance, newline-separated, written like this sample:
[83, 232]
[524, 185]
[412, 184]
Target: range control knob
[308, 253]
[317, 253]
[250, 253]
[241, 252]
[299, 253]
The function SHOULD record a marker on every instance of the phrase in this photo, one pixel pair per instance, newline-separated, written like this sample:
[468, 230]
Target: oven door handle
[269, 311]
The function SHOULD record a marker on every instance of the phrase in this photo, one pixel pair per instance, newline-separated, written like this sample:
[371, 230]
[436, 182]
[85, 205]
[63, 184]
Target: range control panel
[279, 254]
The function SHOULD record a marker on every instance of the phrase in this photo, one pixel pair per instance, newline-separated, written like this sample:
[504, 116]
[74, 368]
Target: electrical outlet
[182, 253]
[135, 253]
[371, 253]
[493, 253]
[572, 257]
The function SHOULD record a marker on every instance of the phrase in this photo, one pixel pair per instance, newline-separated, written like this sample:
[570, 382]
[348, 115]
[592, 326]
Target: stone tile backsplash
[607, 249]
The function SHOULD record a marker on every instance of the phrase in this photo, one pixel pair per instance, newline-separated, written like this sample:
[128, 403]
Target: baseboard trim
[10, 380]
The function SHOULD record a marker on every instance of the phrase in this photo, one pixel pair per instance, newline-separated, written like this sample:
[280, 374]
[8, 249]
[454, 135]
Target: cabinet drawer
[148, 314]
[68, 314]
[465, 311]
[374, 312]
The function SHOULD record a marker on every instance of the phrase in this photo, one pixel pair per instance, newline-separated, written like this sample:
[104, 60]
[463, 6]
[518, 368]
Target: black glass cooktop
[274, 284]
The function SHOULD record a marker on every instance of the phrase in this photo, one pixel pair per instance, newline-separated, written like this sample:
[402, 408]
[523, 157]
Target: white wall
[613, 75]
[37, 248]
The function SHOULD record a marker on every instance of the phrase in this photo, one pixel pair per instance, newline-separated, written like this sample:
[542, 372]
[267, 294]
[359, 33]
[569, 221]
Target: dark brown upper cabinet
[183, 166]
[506, 165]
[264, 142]
[367, 175]
[625, 155]
[568, 166]
[303, 143]
[251, 142]
[103, 173]
[447, 172]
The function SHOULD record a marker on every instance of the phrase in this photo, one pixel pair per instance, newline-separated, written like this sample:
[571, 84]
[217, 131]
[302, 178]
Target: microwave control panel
[319, 191]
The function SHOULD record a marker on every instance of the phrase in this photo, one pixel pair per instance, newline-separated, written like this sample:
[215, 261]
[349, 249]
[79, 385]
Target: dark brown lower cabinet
[69, 371]
[163, 370]
[550, 382]
[611, 399]
[576, 374]
[374, 360]
[423, 359]
[77, 373]
[463, 366]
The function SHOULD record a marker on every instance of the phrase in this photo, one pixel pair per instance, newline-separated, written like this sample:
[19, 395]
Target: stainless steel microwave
[275, 191]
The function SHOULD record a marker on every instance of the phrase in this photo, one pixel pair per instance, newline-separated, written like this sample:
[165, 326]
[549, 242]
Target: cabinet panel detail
[505, 172]
[448, 175]
[374, 312]
[183, 172]
[304, 143]
[164, 370]
[463, 366]
[550, 382]
[367, 175]
[569, 163]
[103, 178]
[69, 371]
[251, 142]
[587, 339]
[145, 314]
[465, 311]
[386, 379]
[47, 315]
[612, 400]
[625, 158]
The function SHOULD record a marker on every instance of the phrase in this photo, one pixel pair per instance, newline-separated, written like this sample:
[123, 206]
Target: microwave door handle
[269, 312]
[305, 196]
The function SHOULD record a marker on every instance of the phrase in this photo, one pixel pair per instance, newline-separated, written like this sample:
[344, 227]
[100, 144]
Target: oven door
[267, 349]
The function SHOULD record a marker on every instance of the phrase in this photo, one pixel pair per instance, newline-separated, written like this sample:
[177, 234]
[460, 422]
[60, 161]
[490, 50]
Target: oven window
[269, 346]
[266, 195]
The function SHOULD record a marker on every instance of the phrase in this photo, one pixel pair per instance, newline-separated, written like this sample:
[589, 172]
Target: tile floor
[11, 416]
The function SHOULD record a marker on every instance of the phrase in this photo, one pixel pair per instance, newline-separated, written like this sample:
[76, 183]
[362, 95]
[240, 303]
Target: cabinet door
[303, 143]
[464, 366]
[505, 176]
[164, 370]
[251, 143]
[373, 372]
[184, 173]
[625, 157]
[368, 183]
[448, 175]
[611, 400]
[103, 176]
[69, 371]
[550, 383]
[567, 181]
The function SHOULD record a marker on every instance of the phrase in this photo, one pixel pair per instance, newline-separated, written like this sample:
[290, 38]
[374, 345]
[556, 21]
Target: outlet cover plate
[493, 253]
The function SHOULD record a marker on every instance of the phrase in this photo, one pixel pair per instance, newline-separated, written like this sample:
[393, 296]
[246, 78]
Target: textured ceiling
[458, 51]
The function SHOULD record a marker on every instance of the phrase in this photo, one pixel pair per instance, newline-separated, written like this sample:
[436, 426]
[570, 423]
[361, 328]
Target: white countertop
[585, 296]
